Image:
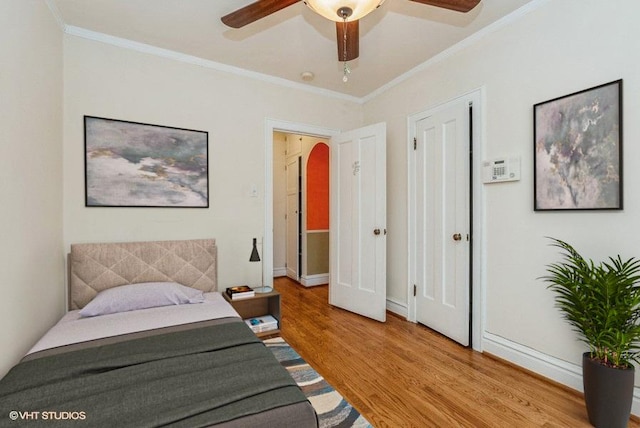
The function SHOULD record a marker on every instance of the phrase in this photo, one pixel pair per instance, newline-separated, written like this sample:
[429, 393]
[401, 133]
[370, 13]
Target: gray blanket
[192, 378]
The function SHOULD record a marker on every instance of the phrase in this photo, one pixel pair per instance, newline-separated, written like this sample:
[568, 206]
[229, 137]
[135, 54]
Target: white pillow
[141, 296]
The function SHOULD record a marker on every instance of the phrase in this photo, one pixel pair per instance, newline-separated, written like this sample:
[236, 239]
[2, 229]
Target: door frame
[270, 126]
[477, 97]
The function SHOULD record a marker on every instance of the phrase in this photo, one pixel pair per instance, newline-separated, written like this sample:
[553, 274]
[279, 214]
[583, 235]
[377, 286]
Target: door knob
[376, 231]
[457, 237]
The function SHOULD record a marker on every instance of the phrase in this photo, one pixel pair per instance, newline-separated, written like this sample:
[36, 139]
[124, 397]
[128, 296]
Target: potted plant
[602, 303]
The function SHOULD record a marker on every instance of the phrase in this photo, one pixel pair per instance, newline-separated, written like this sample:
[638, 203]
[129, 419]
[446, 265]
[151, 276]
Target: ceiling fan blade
[255, 11]
[352, 42]
[457, 5]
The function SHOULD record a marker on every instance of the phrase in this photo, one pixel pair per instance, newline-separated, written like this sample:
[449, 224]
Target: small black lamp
[255, 257]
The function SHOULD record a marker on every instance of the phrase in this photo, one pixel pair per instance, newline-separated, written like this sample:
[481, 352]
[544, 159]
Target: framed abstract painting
[578, 150]
[130, 164]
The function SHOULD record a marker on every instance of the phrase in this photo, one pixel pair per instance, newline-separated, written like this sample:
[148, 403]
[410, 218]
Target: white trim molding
[194, 60]
[559, 370]
[53, 7]
[398, 308]
[177, 56]
[279, 271]
[313, 280]
[566, 373]
[461, 45]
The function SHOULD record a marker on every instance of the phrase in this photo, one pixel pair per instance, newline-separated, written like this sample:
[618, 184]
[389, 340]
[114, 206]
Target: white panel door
[358, 221]
[441, 200]
[293, 229]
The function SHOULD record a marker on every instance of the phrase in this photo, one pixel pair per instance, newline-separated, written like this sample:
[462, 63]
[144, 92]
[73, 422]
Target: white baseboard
[397, 308]
[561, 371]
[278, 272]
[313, 280]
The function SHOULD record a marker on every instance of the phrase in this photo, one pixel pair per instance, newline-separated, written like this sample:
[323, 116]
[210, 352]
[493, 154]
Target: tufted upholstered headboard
[96, 267]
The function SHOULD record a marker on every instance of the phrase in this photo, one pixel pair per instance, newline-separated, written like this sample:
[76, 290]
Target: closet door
[441, 202]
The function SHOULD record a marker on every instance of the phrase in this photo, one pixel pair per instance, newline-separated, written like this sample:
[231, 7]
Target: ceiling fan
[346, 14]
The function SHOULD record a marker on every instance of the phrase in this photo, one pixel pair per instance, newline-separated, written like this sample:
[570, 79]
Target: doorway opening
[301, 208]
[357, 277]
[303, 268]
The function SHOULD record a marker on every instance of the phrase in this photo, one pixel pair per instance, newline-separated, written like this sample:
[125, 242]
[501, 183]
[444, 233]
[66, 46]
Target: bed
[129, 360]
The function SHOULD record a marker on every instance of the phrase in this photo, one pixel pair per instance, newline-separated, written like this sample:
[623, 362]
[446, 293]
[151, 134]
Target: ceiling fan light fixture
[334, 9]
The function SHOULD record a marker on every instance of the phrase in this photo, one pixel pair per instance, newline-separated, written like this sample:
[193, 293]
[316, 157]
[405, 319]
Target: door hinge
[415, 143]
[415, 290]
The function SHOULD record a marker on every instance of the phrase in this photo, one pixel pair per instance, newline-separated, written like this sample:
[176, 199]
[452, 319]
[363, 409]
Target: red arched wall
[318, 188]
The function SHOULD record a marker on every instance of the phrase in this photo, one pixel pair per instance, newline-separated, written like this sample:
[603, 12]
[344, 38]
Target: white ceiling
[394, 39]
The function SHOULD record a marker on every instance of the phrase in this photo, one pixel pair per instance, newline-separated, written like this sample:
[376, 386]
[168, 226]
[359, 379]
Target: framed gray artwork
[578, 150]
[130, 164]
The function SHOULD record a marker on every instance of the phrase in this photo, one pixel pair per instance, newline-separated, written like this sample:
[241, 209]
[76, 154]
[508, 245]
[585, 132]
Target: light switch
[254, 191]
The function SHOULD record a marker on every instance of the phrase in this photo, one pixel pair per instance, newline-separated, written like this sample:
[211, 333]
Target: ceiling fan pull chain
[346, 70]
[334, 10]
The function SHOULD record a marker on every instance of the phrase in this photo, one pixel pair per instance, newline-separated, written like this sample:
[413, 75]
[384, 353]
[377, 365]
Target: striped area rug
[332, 409]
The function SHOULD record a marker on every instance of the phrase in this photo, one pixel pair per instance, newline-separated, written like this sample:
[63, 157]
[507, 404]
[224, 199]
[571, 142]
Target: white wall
[31, 279]
[107, 81]
[558, 48]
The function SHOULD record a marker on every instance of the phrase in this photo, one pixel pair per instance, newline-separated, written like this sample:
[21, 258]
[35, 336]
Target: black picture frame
[577, 150]
[133, 164]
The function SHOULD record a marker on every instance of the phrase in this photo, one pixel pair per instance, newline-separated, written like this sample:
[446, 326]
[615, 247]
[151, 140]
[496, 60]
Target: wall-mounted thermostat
[501, 169]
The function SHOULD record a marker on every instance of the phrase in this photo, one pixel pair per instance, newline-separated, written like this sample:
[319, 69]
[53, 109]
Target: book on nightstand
[240, 292]
[262, 324]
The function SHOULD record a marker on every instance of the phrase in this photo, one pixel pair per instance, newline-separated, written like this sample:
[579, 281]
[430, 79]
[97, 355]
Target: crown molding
[461, 45]
[53, 7]
[189, 59]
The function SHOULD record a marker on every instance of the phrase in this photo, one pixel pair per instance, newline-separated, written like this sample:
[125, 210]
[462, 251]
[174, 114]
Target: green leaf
[600, 301]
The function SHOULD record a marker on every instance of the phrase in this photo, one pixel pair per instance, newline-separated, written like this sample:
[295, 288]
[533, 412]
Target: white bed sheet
[72, 328]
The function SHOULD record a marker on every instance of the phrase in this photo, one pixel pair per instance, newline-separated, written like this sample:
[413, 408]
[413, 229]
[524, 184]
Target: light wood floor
[400, 374]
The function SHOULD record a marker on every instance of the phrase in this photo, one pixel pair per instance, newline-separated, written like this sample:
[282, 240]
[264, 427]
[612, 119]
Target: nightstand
[258, 305]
